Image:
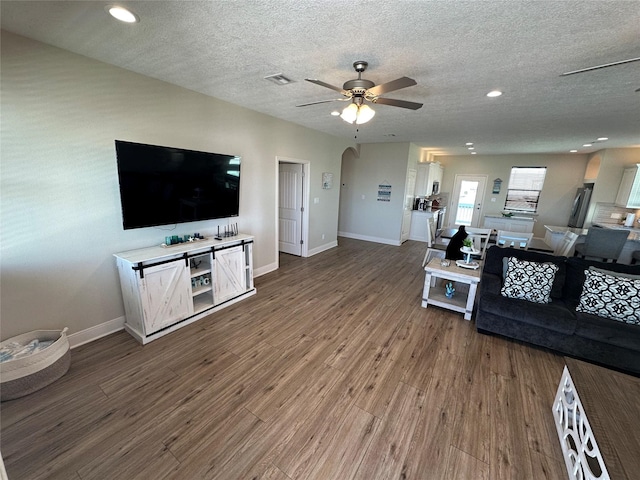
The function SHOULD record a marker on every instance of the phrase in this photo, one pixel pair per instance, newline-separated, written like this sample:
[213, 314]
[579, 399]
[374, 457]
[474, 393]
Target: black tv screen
[164, 185]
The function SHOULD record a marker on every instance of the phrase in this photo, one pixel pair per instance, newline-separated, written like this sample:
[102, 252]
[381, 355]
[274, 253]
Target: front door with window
[467, 200]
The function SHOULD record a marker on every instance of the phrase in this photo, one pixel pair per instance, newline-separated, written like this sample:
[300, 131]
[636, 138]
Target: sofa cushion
[531, 281]
[554, 316]
[608, 331]
[575, 276]
[495, 254]
[611, 296]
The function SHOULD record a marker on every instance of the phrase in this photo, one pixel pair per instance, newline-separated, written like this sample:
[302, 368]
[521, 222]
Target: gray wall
[60, 218]
[565, 173]
[367, 218]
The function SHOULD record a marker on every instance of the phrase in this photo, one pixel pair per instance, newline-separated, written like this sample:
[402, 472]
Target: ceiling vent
[278, 79]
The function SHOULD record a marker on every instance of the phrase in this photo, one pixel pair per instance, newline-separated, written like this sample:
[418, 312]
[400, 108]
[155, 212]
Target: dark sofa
[557, 325]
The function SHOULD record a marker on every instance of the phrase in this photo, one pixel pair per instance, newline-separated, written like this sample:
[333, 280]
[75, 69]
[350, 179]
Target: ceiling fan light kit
[357, 113]
[360, 90]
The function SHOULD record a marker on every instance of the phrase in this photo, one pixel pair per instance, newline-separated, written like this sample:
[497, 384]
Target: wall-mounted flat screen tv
[164, 185]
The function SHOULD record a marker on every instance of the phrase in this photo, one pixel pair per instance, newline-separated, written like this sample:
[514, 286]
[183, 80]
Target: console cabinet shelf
[164, 289]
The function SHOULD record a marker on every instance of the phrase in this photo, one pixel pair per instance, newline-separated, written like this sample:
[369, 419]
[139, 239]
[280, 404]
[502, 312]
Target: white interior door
[291, 176]
[467, 200]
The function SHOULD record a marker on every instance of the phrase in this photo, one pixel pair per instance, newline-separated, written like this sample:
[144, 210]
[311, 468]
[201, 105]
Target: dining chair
[602, 243]
[513, 239]
[566, 244]
[435, 247]
[480, 238]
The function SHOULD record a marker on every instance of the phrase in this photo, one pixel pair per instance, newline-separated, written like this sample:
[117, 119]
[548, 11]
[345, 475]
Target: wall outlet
[362, 197]
[323, 236]
[493, 199]
[316, 200]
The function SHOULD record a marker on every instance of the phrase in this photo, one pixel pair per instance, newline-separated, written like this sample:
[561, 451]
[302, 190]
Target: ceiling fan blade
[391, 86]
[323, 101]
[597, 67]
[398, 103]
[323, 84]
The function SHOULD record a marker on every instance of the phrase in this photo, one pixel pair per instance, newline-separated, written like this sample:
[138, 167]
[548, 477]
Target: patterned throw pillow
[611, 296]
[531, 281]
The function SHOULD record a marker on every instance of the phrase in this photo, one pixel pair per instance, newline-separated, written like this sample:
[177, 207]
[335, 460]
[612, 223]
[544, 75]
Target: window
[525, 185]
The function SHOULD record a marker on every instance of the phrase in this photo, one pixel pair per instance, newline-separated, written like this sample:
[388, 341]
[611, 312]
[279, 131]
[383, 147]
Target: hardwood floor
[332, 371]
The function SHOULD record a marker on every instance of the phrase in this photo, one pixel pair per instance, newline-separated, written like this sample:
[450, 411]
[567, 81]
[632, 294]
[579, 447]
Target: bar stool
[604, 243]
[635, 256]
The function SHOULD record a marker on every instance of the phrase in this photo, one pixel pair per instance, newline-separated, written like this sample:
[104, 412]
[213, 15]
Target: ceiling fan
[598, 67]
[360, 90]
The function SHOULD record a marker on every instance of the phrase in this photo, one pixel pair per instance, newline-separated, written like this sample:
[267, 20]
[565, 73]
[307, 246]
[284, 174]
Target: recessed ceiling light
[471, 148]
[587, 145]
[335, 113]
[473, 153]
[468, 144]
[573, 151]
[602, 139]
[122, 14]
[494, 93]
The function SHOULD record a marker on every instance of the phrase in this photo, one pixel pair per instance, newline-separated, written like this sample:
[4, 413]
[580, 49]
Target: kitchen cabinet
[164, 289]
[629, 191]
[510, 224]
[419, 219]
[427, 174]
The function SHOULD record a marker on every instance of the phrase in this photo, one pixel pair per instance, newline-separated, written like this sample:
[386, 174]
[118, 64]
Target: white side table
[433, 295]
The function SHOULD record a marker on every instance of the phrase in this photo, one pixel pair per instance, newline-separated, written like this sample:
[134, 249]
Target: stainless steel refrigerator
[580, 207]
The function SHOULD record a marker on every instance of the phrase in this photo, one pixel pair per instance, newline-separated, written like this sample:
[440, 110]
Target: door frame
[306, 185]
[453, 200]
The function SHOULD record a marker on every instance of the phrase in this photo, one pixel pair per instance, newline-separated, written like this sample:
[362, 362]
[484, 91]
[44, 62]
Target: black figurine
[455, 245]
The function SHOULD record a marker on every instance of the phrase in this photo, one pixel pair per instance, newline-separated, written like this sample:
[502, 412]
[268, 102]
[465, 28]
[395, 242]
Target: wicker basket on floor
[22, 376]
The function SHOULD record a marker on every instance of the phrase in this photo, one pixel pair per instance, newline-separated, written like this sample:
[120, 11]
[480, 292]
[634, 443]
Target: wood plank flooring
[332, 371]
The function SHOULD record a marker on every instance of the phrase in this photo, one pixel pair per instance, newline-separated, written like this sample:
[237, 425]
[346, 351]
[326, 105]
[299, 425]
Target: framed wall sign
[327, 180]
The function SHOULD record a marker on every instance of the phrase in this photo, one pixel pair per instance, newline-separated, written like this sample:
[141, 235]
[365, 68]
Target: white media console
[167, 288]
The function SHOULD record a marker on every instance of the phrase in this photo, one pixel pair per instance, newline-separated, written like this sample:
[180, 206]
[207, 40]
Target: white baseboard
[96, 332]
[323, 248]
[272, 267]
[366, 238]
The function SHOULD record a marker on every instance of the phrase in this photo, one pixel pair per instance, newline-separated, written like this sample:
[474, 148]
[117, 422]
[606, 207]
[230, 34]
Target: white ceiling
[457, 51]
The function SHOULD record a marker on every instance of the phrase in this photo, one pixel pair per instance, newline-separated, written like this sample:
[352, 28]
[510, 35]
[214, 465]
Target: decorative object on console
[229, 231]
[174, 240]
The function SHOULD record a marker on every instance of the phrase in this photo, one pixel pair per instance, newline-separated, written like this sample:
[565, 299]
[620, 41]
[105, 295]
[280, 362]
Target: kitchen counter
[513, 217]
[419, 219]
[634, 233]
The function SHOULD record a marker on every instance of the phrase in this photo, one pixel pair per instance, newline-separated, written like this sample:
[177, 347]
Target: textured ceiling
[457, 51]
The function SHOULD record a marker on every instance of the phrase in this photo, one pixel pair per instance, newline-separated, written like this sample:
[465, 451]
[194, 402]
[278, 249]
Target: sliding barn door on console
[166, 296]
